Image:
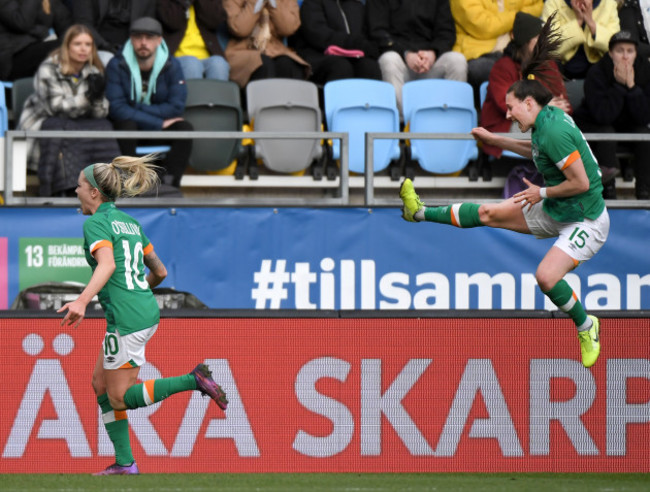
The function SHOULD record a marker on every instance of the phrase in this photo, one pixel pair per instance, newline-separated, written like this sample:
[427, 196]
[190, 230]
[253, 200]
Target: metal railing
[371, 200]
[15, 169]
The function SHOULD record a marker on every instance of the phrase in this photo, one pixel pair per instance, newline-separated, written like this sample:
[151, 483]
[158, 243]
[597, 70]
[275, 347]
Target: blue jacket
[167, 101]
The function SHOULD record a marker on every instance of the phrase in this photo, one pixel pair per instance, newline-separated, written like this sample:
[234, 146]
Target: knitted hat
[623, 37]
[525, 28]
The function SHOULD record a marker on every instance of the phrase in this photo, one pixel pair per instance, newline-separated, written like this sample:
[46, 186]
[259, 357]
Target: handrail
[370, 200]
[342, 197]
[11, 167]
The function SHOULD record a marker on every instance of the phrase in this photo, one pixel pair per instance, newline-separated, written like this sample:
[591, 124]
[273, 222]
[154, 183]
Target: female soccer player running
[570, 206]
[118, 250]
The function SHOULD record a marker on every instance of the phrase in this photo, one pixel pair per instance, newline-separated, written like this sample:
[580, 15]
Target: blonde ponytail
[126, 176]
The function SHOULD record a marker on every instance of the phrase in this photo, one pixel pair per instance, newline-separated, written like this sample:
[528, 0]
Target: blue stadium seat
[4, 116]
[483, 91]
[483, 95]
[440, 106]
[358, 106]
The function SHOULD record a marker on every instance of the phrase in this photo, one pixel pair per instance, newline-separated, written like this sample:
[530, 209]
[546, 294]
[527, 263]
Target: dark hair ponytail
[535, 70]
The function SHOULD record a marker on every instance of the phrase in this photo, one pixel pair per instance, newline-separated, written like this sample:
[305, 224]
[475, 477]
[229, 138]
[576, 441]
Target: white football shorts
[580, 240]
[126, 351]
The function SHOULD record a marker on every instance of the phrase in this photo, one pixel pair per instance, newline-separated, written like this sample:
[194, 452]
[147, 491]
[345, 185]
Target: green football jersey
[556, 144]
[127, 300]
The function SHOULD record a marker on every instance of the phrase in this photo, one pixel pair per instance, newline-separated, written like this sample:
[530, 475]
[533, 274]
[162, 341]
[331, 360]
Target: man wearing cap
[146, 90]
[483, 31]
[617, 99]
[109, 21]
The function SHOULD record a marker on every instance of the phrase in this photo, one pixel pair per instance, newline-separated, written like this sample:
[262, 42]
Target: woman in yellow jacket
[483, 31]
[586, 27]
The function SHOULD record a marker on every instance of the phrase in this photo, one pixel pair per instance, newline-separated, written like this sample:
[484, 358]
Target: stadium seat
[483, 94]
[21, 90]
[4, 116]
[576, 92]
[4, 126]
[359, 106]
[440, 106]
[483, 91]
[213, 105]
[285, 105]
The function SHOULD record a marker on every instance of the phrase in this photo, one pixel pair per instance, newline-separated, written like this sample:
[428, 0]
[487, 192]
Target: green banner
[44, 259]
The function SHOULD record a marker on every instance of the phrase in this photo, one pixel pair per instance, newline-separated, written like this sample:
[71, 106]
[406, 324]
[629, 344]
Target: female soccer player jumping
[118, 250]
[570, 206]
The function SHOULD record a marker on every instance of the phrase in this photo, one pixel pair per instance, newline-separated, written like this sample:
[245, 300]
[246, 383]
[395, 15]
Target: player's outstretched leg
[411, 200]
[463, 215]
[206, 385]
[590, 342]
[116, 469]
[155, 390]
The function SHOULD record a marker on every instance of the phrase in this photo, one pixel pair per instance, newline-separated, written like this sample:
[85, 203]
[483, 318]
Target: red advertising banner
[340, 395]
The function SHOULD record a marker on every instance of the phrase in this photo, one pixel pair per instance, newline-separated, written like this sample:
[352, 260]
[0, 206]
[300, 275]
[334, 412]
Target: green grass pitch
[317, 482]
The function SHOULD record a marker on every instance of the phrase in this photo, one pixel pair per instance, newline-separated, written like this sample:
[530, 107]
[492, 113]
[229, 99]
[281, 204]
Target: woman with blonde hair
[118, 250]
[68, 95]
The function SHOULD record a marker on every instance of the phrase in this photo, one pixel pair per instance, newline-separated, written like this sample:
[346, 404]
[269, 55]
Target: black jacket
[209, 16]
[23, 23]
[631, 19]
[607, 102]
[332, 22]
[412, 25]
[93, 14]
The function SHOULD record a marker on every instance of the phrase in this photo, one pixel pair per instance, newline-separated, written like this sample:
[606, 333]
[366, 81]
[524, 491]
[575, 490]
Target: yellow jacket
[605, 15]
[479, 22]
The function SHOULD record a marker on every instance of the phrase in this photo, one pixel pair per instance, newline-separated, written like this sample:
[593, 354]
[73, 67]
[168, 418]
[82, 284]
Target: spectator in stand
[146, 90]
[333, 38]
[507, 71]
[25, 34]
[586, 27]
[109, 21]
[68, 95]
[617, 99]
[483, 31]
[256, 49]
[190, 31]
[634, 16]
[415, 38]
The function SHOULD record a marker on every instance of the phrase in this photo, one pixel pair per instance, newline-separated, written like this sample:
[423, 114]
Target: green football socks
[463, 215]
[155, 390]
[117, 427]
[566, 300]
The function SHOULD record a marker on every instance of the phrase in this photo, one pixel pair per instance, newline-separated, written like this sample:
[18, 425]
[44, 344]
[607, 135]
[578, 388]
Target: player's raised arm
[521, 147]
